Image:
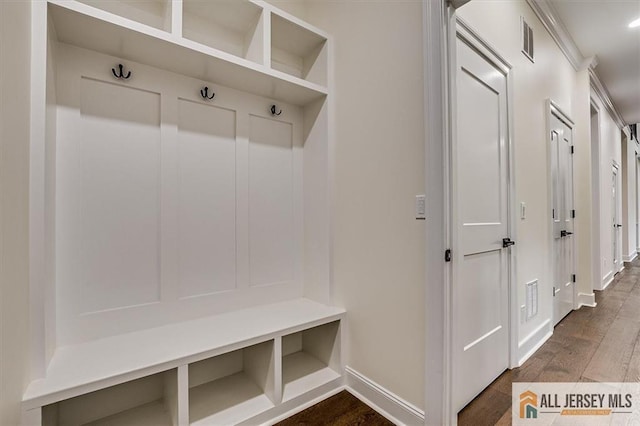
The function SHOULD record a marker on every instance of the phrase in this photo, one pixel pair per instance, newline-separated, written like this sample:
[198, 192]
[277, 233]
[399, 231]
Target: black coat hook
[120, 75]
[273, 110]
[205, 93]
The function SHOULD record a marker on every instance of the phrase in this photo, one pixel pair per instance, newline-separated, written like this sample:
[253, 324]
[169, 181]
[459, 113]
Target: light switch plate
[421, 208]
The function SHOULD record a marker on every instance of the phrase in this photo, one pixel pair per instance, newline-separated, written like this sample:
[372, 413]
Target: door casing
[616, 240]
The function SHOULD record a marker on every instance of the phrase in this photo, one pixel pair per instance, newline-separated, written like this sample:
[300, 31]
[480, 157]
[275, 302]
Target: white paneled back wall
[169, 206]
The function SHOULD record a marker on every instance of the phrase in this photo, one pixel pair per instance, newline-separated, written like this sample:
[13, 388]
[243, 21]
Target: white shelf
[79, 369]
[152, 414]
[233, 26]
[297, 51]
[226, 401]
[155, 13]
[90, 28]
[303, 372]
[311, 358]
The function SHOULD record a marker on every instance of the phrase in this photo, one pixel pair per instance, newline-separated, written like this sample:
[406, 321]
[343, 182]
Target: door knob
[618, 226]
[564, 233]
[506, 242]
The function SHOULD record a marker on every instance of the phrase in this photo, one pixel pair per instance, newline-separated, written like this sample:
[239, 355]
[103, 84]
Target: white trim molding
[587, 299]
[549, 18]
[436, 33]
[606, 280]
[630, 257]
[545, 11]
[601, 91]
[382, 400]
[530, 344]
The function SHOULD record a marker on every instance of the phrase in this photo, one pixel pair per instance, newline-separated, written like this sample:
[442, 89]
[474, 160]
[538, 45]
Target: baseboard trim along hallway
[387, 403]
[608, 279]
[533, 341]
[587, 299]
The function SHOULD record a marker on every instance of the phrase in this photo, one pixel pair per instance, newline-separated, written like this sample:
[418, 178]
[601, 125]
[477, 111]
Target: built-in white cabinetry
[180, 172]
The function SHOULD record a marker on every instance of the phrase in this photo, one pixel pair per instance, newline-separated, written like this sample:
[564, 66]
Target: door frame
[598, 282]
[616, 213]
[441, 27]
[554, 110]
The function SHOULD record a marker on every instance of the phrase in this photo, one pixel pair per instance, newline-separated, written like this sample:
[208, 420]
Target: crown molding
[549, 18]
[552, 22]
[601, 91]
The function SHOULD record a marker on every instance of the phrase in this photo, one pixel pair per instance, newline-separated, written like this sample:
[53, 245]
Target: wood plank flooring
[598, 344]
[342, 409]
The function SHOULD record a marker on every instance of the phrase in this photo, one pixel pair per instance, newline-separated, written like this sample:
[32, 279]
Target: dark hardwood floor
[598, 344]
[342, 409]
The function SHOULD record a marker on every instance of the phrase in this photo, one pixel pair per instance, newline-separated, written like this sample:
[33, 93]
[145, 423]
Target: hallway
[591, 344]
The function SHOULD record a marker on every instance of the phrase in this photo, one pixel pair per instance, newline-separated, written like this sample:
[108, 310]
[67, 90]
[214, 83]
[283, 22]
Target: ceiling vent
[527, 40]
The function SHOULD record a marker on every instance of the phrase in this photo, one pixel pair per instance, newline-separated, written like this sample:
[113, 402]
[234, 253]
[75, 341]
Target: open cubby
[151, 400]
[298, 51]
[233, 26]
[155, 13]
[232, 387]
[310, 358]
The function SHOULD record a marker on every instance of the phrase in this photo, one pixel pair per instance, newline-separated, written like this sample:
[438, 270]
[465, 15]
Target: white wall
[378, 248]
[14, 205]
[550, 77]
[610, 151]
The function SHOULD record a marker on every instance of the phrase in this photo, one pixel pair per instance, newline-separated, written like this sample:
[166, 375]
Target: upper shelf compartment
[88, 27]
[298, 51]
[155, 13]
[233, 26]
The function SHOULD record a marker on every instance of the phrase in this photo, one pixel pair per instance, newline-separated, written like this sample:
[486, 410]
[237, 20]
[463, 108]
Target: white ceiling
[600, 28]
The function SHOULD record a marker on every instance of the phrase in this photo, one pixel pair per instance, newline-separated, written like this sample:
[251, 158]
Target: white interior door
[481, 263]
[562, 209]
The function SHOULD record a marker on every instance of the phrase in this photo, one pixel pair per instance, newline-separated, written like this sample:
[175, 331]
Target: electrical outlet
[421, 207]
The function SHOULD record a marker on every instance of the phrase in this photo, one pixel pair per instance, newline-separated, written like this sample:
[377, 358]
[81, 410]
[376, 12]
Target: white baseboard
[630, 257]
[533, 341]
[608, 279]
[382, 400]
[587, 299]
